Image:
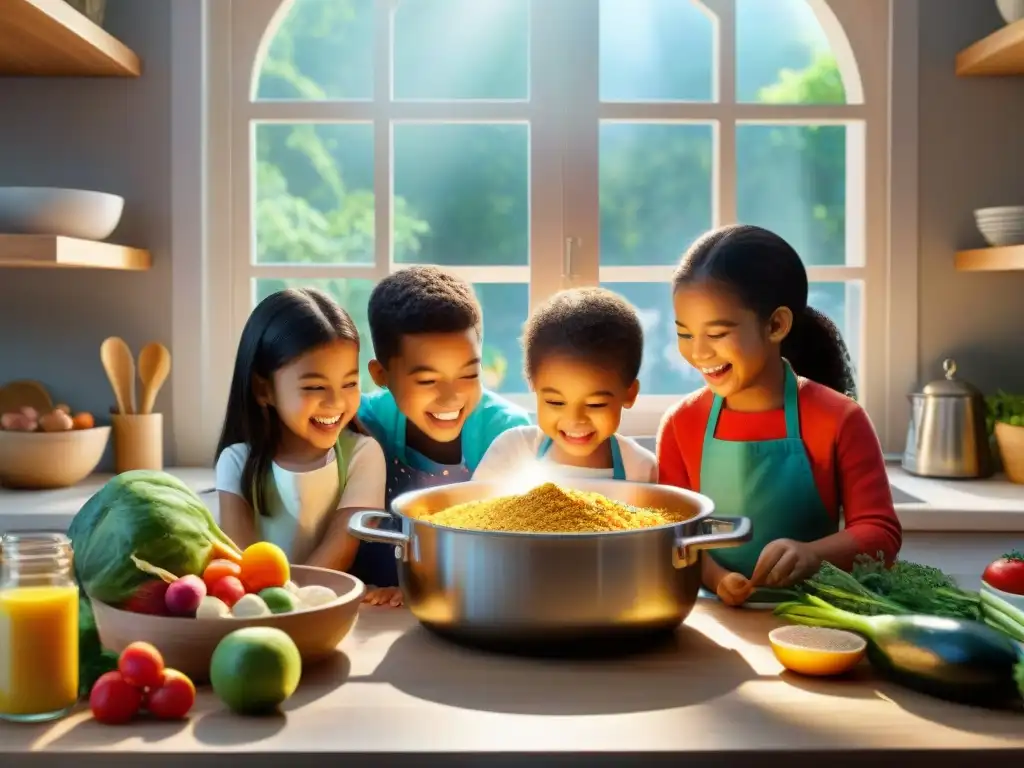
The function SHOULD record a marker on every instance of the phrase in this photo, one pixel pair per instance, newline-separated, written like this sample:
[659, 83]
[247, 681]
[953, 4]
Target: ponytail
[816, 350]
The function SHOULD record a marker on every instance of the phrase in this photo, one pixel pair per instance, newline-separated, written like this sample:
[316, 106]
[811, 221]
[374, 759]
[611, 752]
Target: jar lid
[950, 386]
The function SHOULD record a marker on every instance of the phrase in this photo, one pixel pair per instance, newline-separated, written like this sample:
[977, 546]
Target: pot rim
[705, 509]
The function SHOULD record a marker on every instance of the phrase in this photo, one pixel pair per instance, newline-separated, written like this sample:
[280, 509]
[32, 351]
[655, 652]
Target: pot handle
[357, 526]
[687, 548]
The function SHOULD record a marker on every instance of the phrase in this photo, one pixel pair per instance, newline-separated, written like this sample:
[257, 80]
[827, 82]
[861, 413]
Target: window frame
[206, 215]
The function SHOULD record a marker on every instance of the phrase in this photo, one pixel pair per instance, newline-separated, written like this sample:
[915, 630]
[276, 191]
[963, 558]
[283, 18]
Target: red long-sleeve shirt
[846, 457]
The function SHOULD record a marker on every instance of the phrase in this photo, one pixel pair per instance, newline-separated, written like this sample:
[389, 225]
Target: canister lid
[950, 386]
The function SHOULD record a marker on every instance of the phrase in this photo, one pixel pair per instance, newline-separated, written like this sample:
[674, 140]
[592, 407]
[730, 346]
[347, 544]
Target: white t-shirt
[515, 450]
[300, 502]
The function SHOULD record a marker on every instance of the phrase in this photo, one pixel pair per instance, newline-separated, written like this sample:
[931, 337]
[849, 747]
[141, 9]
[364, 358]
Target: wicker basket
[1010, 440]
[93, 10]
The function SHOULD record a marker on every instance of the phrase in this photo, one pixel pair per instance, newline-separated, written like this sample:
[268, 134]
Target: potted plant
[1006, 422]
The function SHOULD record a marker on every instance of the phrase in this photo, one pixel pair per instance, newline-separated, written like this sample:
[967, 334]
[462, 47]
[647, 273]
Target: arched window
[529, 145]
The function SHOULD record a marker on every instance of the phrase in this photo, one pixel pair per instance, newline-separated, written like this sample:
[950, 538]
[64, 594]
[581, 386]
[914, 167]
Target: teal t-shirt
[379, 413]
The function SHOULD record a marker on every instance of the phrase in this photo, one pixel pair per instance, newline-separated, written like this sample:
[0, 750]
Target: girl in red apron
[775, 435]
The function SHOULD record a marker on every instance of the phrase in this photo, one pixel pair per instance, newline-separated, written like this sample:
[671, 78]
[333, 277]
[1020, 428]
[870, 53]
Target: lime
[279, 599]
[255, 669]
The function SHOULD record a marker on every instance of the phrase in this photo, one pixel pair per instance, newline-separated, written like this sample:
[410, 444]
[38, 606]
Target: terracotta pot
[1010, 440]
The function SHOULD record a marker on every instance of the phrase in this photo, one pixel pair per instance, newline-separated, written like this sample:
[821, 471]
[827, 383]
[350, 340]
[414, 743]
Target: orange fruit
[264, 565]
[218, 569]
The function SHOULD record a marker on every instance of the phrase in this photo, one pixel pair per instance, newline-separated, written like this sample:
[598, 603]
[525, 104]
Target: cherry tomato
[113, 700]
[218, 569]
[1006, 574]
[173, 698]
[141, 665]
[229, 589]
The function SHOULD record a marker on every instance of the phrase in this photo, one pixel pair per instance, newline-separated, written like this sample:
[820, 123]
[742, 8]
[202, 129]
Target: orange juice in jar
[38, 627]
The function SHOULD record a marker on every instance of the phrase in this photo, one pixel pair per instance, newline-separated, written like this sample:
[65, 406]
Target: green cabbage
[151, 515]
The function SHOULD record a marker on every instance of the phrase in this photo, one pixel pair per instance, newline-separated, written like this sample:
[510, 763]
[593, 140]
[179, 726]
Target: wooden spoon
[154, 365]
[120, 367]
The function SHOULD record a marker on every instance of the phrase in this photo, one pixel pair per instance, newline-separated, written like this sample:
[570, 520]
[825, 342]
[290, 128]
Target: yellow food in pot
[549, 508]
[817, 651]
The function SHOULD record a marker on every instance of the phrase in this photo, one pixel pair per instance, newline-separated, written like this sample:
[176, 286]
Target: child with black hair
[431, 415]
[776, 435]
[292, 463]
[583, 352]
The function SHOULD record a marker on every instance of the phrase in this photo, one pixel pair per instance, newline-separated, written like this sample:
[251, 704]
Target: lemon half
[818, 651]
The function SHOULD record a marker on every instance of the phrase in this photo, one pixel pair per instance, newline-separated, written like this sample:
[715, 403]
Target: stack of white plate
[1001, 226]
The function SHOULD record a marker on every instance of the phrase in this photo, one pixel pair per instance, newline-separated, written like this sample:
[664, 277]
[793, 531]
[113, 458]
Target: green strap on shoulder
[343, 450]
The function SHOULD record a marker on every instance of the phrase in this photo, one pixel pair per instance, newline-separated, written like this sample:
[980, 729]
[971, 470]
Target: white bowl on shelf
[1001, 226]
[77, 213]
[1011, 10]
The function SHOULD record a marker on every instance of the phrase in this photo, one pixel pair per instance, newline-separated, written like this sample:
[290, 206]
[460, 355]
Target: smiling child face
[579, 405]
[317, 394]
[435, 380]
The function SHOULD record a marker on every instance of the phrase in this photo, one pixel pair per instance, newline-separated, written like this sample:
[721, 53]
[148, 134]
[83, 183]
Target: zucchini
[953, 659]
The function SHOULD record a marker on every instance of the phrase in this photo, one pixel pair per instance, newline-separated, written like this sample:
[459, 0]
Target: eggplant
[956, 660]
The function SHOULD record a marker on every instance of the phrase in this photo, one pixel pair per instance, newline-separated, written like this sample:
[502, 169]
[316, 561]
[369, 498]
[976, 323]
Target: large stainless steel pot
[485, 586]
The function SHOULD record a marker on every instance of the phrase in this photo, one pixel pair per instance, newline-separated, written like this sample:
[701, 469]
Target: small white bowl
[59, 212]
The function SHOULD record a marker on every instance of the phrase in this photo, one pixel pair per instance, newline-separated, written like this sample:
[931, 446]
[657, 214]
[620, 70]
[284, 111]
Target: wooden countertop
[397, 695]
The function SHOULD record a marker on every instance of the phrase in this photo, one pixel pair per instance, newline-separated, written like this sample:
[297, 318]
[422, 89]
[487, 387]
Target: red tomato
[113, 700]
[1006, 573]
[229, 589]
[173, 698]
[141, 665]
[218, 569]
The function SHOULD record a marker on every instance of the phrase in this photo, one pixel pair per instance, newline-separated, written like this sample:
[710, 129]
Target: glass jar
[38, 627]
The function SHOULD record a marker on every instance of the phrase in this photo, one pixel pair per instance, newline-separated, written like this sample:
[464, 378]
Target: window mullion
[546, 177]
[383, 167]
[580, 60]
[723, 179]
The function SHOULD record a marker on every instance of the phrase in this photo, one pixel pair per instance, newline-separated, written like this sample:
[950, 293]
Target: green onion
[1009, 618]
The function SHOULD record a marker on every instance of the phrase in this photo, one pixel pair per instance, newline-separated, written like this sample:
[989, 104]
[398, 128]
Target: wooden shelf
[49, 38]
[47, 251]
[1001, 53]
[1005, 259]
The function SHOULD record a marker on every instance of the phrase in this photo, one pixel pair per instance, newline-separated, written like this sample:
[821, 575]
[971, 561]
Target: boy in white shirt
[583, 350]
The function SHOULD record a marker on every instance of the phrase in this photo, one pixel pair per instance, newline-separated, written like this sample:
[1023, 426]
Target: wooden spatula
[120, 367]
[154, 365]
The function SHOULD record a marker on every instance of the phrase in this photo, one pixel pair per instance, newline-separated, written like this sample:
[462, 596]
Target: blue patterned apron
[618, 473]
[375, 563]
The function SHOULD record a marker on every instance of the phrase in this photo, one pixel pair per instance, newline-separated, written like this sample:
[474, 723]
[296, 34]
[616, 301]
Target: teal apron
[769, 481]
[618, 473]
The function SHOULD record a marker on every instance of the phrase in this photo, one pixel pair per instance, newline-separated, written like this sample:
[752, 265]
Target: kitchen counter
[923, 504]
[396, 695]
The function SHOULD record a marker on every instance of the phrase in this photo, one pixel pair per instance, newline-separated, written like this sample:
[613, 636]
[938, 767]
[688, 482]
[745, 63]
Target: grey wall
[971, 146]
[114, 135]
[105, 134]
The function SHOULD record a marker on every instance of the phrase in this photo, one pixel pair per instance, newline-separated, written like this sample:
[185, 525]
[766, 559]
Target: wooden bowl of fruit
[55, 449]
[187, 617]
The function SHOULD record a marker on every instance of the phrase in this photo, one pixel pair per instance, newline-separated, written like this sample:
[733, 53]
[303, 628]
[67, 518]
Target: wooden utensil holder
[138, 441]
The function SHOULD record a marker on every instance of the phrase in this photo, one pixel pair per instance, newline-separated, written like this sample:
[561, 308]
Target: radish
[184, 595]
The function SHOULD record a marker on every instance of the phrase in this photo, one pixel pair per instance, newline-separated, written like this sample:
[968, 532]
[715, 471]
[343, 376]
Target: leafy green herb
[918, 588]
[93, 659]
[874, 589]
[1006, 408]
